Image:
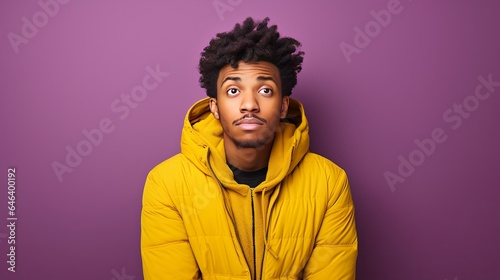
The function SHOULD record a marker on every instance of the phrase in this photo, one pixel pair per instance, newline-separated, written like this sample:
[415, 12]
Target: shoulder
[320, 165]
[168, 163]
[330, 177]
[317, 176]
[324, 173]
[168, 169]
[166, 179]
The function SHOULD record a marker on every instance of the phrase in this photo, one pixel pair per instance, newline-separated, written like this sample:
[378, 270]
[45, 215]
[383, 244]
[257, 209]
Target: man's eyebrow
[238, 79]
[266, 78]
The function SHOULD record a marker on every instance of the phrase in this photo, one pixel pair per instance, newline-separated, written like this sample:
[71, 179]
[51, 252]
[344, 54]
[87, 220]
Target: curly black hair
[251, 42]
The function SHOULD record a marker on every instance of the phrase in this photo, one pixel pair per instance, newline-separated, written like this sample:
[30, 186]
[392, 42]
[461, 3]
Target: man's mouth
[249, 120]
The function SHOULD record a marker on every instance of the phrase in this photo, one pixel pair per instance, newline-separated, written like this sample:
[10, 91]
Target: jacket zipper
[253, 238]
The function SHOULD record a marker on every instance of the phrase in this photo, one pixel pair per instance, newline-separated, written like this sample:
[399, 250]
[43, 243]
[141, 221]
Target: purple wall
[405, 98]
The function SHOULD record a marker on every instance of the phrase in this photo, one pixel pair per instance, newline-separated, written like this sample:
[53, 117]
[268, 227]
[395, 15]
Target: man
[245, 199]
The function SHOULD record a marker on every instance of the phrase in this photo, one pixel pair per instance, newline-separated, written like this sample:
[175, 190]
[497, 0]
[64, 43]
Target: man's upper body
[245, 199]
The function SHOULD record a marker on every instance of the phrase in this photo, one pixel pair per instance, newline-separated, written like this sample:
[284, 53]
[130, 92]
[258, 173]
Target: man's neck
[247, 159]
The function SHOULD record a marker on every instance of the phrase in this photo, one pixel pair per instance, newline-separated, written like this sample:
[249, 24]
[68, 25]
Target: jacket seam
[337, 245]
[164, 245]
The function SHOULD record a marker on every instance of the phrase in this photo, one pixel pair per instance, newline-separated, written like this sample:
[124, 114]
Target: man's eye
[266, 91]
[232, 91]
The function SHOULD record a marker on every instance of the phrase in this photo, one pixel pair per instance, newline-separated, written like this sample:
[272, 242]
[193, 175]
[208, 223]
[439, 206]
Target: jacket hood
[202, 143]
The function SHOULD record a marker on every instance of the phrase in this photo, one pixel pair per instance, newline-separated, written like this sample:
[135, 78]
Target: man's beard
[255, 144]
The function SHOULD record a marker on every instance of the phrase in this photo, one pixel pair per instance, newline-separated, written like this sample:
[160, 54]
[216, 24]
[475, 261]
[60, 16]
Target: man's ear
[284, 106]
[213, 107]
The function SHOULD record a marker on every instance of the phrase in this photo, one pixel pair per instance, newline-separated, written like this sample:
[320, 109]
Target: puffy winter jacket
[198, 223]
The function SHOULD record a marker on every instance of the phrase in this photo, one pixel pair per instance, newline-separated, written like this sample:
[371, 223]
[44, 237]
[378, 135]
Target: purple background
[442, 222]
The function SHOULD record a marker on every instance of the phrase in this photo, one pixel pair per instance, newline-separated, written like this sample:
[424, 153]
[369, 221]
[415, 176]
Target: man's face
[249, 104]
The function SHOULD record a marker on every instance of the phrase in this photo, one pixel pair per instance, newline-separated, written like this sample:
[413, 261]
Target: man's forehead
[257, 69]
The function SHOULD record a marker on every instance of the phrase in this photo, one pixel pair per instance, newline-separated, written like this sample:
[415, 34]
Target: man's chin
[249, 144]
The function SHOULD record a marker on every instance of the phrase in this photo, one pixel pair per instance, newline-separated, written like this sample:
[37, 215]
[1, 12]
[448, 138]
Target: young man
[245, 199]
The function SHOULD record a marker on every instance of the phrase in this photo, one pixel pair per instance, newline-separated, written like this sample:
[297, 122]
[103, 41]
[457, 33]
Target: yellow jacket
[198, 223]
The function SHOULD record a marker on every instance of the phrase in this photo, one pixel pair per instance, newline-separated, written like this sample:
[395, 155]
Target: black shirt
[252, 179]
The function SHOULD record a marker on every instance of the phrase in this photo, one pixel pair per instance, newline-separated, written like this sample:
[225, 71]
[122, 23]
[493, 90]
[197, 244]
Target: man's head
[249, 73]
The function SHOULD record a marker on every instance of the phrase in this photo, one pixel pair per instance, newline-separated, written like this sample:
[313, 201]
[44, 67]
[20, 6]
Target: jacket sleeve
[335, 252]
[166, 252]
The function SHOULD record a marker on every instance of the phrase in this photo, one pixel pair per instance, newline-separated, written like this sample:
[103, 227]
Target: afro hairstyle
[251, 42]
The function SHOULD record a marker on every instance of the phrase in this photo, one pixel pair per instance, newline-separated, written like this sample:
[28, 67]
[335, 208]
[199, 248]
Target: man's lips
[249, 124]
[249, 120]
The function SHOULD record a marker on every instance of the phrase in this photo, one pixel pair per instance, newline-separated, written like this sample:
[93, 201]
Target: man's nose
[249, 103]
